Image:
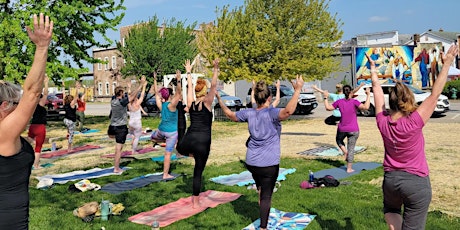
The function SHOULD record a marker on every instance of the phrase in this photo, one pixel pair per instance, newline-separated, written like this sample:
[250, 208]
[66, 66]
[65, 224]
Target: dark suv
[305, 104]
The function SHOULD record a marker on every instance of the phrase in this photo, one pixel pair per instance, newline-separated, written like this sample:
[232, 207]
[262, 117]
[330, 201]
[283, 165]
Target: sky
[358, 16]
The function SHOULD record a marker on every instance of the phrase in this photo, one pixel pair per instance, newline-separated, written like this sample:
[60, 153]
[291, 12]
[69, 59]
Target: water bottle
[312, 177]
[155, 225]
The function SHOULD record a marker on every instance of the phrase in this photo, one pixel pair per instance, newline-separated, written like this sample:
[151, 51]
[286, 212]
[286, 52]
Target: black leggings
[265, 178]
[200, 163]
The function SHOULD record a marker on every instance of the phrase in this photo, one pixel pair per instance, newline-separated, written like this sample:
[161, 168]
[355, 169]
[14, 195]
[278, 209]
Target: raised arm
[209, 98]
[357, 88]
[144, 85]
[292, 104]
[75, 96]
[327, 105]
[253, 100]
[277, 96]
[367, 103]
[44, 98]
[178, 93]
[379, 99]
[429, 104]
[13, 124]
[317, 89]
[229, 113]
[190, 97]
[132, 95]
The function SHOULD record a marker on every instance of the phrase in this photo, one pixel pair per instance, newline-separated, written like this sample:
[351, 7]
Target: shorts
[169, 137]
[119, 132]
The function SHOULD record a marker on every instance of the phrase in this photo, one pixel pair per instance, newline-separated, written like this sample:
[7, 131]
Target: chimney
[441, 30]
[416, 39]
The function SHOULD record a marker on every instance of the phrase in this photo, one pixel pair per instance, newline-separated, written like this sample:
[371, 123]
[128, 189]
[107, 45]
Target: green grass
[354, 206]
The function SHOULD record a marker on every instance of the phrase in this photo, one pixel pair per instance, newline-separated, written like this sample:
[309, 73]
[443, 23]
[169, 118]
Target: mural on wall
[427, 57]
[418, 66]
[393, 63]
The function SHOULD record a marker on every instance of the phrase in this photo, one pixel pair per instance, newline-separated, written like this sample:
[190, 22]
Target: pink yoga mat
[182, 208]
[62, 152]
[130, 153]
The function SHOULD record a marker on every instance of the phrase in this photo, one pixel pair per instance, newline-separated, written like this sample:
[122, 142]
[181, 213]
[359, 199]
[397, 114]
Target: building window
[114, 62]
[107, 88]
[99, 88]
[106, 59]
[114, 86]
[99, 65]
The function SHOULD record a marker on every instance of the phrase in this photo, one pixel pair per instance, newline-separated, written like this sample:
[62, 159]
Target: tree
[272, 39]
[149, 48]
[75, 24]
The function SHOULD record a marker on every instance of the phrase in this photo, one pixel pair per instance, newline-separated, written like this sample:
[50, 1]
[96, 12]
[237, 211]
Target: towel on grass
[129, 153]
[279, 220]
[162, 158]
[341, 172]
[245, 178]
[328, 151]
[87, 131]
[76, 175]
[182, 208]
[63, 152]
[138, 182]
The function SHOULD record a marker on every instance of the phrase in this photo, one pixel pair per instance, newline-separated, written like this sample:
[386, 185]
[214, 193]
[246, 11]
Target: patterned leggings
[70, 129]
[352, 137]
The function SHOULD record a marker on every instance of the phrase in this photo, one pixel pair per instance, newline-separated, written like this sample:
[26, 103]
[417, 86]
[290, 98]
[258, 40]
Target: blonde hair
[201, 88]
[402, 99]
[9, 92]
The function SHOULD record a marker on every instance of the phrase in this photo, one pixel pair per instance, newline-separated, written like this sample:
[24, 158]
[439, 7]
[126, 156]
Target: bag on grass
[326, 181]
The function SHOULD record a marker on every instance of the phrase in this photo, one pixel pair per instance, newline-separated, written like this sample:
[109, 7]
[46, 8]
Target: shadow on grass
[334, 224]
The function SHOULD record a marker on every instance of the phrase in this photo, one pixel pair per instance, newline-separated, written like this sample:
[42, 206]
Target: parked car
[442, 105]
[149, 104]
[54, 105]
[230, 101]
[306, 103]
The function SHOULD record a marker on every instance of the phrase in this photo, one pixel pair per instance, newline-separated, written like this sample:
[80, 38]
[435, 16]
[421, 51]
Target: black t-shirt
[39, 116]
[70, 113]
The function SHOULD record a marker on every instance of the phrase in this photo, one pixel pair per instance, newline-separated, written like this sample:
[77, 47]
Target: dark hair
[261, 93]
[119, 91]
[347, 90]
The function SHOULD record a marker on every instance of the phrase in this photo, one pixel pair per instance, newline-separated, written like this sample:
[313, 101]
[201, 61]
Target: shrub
[449, 86]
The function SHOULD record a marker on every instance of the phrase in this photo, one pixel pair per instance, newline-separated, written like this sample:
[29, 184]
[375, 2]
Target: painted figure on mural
[423, 58]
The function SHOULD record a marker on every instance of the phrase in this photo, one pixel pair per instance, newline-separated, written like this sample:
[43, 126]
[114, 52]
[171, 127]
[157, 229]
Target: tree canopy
[75, 25]
[149, 48]
[272, 39]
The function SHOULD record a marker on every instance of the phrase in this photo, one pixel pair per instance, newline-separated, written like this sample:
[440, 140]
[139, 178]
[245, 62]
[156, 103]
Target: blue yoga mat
[280, 220]
[329, 151]
[341, 172]
[138, 182]
[87, 131]
[245, 178]
[80, 175]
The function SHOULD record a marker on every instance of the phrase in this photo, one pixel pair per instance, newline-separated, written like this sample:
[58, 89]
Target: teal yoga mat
[341, 172]
[328, 151]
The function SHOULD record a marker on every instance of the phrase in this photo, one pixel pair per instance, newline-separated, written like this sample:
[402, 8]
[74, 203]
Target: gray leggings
[411, 191]
[352, 137]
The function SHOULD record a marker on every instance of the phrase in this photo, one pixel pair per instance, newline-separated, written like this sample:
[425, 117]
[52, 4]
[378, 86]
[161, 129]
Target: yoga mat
[87, 131]
[138, 182]
[79, 175]
[328, 151]
[341, 172]
[182, 208]
[141, 138]
[145, 156]
[162, 158]
[63, 152]
[279, 220]
[245, 178]
[129, 153]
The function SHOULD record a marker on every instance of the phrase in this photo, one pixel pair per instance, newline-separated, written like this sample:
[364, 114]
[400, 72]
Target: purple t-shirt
[348, 109]
[404, 143]
[264, 140]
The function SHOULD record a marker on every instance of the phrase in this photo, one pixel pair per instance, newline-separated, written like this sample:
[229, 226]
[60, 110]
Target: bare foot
[168, 176]
[118, 170]
[37, 167]
[350, 170]
[196, 202]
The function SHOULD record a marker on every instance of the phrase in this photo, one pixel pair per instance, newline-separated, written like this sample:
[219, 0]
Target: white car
[441, 107]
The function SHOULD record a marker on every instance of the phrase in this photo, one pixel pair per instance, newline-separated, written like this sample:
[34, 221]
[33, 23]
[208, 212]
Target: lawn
[354, 206]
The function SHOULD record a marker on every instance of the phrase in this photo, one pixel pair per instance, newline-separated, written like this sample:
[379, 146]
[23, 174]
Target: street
[451, 116]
